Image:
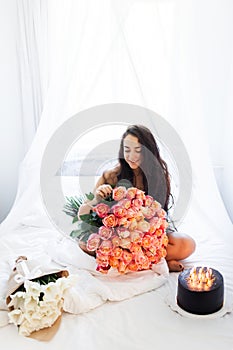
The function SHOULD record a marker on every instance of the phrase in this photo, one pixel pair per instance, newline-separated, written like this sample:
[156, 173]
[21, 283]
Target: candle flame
[201, 278]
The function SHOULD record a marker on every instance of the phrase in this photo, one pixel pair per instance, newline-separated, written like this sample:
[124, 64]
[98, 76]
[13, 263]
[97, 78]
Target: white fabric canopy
[145, 53]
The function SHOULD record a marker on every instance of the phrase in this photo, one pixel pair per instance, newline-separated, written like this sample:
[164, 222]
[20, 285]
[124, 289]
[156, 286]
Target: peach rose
[114, 262]
[122, 267]
[156, 205]
[146, 241]
[125, 203]
[101, 209]
[135, 248]
[122, 232]
[137, 202]
[127, 257]
[165, 240]
[131, 213]
[122, 222]
[140, 194]
[136, 236]
[131, 192]
[161, 213]
[148, 201]
[143, 226]
[93, 242]
[132, 224]
[119, 193]
[140, 257]
[148, 212]
[155, 223]
[105, 247]
[102, 259]
[125, 243]
[163, 252]
[110, 221]
[119, 211]
[159, 232]
[105, 232]
[146, 265]
[117, 252]
[132, 266]
[115, 241]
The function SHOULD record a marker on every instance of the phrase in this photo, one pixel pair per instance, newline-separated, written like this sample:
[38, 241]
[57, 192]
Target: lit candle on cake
[200, 290]
[200, 278]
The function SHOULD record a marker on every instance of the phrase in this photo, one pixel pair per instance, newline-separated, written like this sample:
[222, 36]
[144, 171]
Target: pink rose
[139, 216]
[131, 213]
[105, 232]
[155, 223]
[102, 259]
[137, 202]
[122, 232]
[156, 205]
[132, 224]
[140, 194]
[125, 203]
[115, 241]
[148, 201]
[143, 226]
[118, 193]
[122, 222]
[125, 243]
[131, 192]
[93, 242]
[105, 247]
[136, 236]
[101, 209]
[148, 212]
[119, 211]
[110, 221]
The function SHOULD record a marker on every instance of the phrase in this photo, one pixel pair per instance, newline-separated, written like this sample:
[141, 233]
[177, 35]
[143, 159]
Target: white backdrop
[173, 57]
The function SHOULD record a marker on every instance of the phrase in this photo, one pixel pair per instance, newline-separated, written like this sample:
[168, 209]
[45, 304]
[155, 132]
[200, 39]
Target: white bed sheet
[145, 321]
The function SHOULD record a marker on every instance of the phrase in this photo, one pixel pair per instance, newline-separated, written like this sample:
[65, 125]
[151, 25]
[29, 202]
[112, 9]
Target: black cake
[200, 290]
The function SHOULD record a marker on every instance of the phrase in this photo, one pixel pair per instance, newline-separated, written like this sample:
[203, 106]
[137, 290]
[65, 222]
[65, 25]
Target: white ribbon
[27, 274]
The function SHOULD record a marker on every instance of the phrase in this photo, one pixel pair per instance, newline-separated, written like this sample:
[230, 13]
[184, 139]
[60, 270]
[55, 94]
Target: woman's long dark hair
[156, 179]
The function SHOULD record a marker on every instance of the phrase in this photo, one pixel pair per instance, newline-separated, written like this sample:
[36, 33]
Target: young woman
[141, 165]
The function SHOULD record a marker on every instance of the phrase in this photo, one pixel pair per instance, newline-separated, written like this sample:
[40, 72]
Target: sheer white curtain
[156, 54]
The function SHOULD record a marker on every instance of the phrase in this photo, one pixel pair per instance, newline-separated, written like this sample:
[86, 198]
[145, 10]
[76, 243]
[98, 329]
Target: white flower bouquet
[37, 302]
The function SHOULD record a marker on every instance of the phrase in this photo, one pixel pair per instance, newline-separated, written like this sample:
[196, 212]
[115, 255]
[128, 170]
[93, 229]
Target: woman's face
[132, 151]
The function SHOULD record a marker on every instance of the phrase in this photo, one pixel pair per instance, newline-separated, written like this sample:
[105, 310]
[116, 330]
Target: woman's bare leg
[180, 246]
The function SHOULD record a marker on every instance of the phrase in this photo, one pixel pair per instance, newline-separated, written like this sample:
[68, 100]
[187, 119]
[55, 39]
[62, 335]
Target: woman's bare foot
[175, 266]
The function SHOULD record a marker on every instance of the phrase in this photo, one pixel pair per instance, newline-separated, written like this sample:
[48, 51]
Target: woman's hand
[103, 191]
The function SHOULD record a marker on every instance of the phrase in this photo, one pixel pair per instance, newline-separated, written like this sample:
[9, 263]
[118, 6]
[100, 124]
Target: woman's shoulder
[110, 175]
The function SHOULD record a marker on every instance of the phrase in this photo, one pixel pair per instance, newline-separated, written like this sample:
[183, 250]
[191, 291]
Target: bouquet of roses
[35, 303]
[127, 232]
